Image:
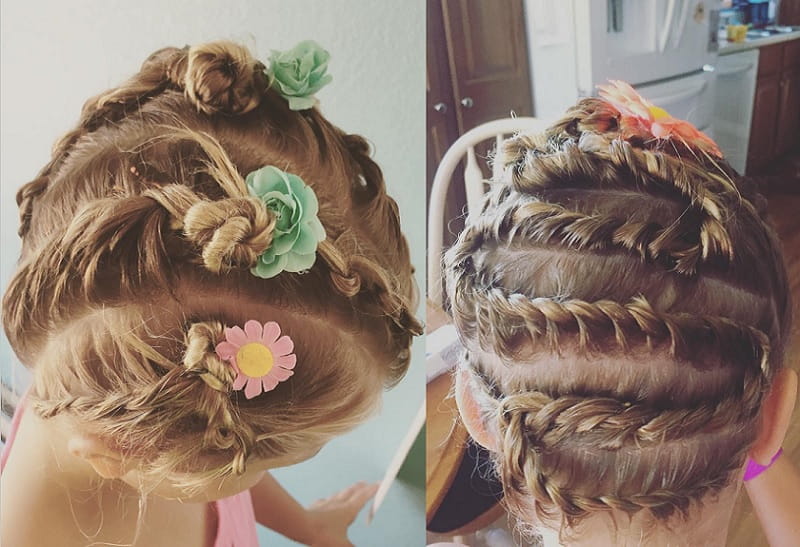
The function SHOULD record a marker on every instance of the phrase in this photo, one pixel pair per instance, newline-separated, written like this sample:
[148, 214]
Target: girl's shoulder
[35, 507]
[36, 510]
[39, 507]
[50, 516]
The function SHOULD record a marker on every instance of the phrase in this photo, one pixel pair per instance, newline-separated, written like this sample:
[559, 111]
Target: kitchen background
[491, 60]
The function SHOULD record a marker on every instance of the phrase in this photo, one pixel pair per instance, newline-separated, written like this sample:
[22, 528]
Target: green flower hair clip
[297, 230]
[299, 73]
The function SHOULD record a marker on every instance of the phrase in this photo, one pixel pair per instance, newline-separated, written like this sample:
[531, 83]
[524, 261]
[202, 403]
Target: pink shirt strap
[236, 521]
[12, 434]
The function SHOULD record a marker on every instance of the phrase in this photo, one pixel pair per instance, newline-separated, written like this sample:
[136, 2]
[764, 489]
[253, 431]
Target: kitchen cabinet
[788, 130]
[789, 13]
[775, 126]
[762, 130]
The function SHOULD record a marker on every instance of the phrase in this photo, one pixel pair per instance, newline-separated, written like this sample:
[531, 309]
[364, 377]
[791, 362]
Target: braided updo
[138, 237]
[624, 307]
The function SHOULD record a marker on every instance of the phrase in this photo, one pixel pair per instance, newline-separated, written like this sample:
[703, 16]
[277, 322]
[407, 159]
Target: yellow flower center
[658, 112]
[255, 360]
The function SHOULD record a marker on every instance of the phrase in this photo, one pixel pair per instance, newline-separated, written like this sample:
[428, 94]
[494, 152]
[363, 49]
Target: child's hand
[331, 516]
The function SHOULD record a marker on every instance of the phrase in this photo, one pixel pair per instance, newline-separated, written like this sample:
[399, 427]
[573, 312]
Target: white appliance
[733, 105]
[666, 49]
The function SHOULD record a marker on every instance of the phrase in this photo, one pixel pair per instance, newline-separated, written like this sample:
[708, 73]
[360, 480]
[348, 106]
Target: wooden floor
[784, 209]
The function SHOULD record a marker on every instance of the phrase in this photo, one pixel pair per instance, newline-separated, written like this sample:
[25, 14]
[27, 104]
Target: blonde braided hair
[141, 225]
[610, 425]
[592, 244]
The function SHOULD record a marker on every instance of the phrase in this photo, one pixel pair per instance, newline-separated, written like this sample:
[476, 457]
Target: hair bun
[221, 77]
[232, 232]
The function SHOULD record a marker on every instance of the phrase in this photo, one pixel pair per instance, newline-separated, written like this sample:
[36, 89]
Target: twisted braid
[221, 77]
[496, 318]
[596, 116]
[163, 398]
[611, 424]
[127, 235]
[529, 167]
[594, 158]
[223, 430]
[157, 189]
[356, 274]
[524, 471]
[164, 402]
[367, 283]
[533, 427]
[217, 77]
[608, 437]
[201, 357]
[232, 232]
[553, 223]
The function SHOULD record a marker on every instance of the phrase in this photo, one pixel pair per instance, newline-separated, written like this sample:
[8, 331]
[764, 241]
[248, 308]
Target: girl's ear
[106, 462]
[471, 412]
[776, 412]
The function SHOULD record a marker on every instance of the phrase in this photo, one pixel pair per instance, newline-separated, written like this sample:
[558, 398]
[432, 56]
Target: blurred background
[55, 55]
[491, 60]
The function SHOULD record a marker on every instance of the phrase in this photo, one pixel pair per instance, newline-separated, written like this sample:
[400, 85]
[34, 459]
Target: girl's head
[138, 240]
[624, 308]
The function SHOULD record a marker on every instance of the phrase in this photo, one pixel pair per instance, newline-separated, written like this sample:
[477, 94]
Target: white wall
[55, 55]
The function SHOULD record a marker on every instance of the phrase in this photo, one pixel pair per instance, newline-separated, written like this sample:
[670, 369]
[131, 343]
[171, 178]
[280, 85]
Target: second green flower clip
[299, 73]
[297, 231]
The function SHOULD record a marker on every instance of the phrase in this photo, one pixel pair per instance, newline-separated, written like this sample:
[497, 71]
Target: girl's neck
[83, 506]
[47, 442]
[707, 527]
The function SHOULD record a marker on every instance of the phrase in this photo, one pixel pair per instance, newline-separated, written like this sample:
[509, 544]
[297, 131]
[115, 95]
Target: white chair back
[473, 181]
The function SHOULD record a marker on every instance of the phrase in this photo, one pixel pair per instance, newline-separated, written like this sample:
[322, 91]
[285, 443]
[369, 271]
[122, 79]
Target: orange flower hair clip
[640, 118]
[261, 357]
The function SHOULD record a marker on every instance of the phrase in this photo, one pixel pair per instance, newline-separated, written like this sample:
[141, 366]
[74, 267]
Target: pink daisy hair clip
[261, 357]
[640, 118]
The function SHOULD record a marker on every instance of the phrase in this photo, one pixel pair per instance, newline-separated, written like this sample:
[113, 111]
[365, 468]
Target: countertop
[726, 47]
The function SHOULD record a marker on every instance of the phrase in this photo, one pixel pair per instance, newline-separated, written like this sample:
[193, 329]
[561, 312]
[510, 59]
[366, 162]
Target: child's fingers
[351, 499]
[347, 493]
[361, 490]
[356, 490]
[361, 496]
[367, 491]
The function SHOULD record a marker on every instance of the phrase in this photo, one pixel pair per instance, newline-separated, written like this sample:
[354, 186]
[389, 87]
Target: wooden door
[441, 114]
[788, 131]
[477, 71]
[488, 53]
[765, 108]
[762, 130]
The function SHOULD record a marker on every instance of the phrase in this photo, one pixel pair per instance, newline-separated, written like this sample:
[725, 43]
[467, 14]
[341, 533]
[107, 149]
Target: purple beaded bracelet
[755, 469]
